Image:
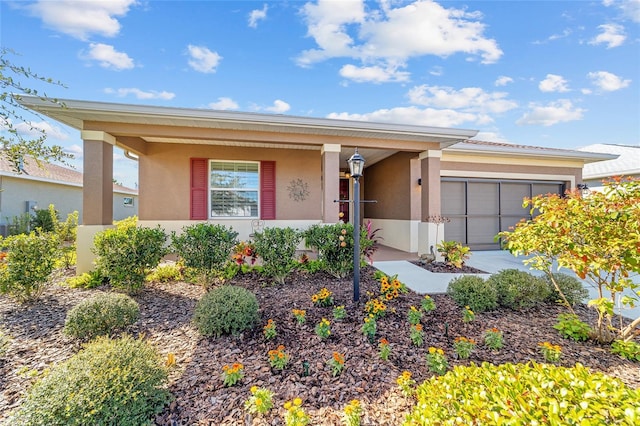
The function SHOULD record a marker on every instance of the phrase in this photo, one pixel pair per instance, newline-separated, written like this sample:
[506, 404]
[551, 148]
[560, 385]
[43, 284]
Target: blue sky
[549, 73]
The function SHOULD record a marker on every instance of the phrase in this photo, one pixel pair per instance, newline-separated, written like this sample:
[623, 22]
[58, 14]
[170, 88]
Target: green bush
[86, 280]
[126, 253]
[45, 220]
[626, 349]
[101, 315]
[205, 248]
[524, 394]
[25, 270]
[226, 310]
[109, 382]
[165, 273]
[571, 287]
[473, 291]
[277, 249]
[571, 327]
[519, 289]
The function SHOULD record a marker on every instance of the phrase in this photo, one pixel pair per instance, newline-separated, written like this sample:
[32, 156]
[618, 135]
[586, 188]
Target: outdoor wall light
[356, 164]
[584, 188]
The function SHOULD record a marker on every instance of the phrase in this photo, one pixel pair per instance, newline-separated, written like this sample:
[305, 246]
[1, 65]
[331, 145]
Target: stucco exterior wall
[569, 173]
[164, 178]
[389, 182]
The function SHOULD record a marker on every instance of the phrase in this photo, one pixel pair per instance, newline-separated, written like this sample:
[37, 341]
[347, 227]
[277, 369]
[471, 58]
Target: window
[234, 188]
[128, 201]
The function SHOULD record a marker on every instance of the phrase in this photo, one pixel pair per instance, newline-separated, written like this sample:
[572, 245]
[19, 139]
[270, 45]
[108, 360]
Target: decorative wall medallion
[298, 190]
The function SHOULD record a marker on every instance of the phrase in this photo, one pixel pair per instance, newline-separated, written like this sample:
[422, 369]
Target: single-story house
[626, 162]
[237, 167]
[37, 186]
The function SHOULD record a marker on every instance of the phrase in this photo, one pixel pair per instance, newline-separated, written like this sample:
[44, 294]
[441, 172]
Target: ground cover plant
[197, 379]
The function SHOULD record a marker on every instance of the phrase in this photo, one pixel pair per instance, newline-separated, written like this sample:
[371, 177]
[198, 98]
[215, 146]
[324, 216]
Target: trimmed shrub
[25, 269]
[205, 248]
[519, 289]
[101, 315]
[45, 220]
[165, 273]
[488, 394]
[473, 291]
[109, 382]
[571, 287]
[226, 310]
[126, 253]
[277, 248]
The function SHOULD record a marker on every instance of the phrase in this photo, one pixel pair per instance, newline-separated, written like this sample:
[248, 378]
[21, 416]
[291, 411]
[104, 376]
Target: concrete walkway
[421, 281]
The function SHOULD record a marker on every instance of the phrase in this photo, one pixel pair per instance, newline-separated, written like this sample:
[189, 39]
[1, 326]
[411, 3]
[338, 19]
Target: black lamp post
[356, 167]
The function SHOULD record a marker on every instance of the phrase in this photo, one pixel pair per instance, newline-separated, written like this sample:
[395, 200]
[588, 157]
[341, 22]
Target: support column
[330, 182]
[97, 194]
[430, 199]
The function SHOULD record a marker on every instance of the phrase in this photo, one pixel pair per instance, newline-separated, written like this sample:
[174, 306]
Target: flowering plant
[269, 329]
[417, 334]
[278, 358]
[375, 307]
[232, 375]
[337, 363]
[414, 316]
[406, 383]
[299, 315]
[467, 314]
[550, 352]
[351, 413]
[339, 312]
[385, 349]
[244, 252]
[493, 339]
[437, 361]
[295, 415]
[323, 297]
[464, 347]
[428, 304]
[391, 287]
[260, 401]
[323, 328]
[369, 327]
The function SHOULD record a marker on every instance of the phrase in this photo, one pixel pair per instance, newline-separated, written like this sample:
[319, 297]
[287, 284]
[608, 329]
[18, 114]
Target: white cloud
[82, 18]
[257, 15]
[108, 57]
[202, 59]
[488, 136]
[373, 74]
[388, 35]
[612, 35]
[469, 99]
[437, 71]
[607, 81]
[34, 129]
[140, 94]
[553, 113]
[224, 104]
[279, 107]
[503, 80]
[553, 83]
[74, 149]
[411, 115]
[630, 8]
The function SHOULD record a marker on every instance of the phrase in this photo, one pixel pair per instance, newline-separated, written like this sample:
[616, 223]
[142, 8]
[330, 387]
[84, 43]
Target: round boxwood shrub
[524, 394]
[103, 314]
[473, 291]
[571, 287]
[519, 289]
[226, 310]
[109, 382]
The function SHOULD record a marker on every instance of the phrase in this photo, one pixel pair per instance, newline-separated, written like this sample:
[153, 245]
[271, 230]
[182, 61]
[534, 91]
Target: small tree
[597, 237]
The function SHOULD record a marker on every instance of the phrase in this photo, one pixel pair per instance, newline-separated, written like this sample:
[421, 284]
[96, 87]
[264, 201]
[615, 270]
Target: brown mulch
[445, 268]
[196, 383]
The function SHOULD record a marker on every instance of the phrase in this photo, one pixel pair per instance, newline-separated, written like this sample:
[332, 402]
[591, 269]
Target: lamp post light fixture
[584, 189]
[356, 167]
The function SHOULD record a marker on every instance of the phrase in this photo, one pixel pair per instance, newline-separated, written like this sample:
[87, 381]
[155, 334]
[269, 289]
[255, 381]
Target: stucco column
[430, 198]
[97, 194]
[330, 182]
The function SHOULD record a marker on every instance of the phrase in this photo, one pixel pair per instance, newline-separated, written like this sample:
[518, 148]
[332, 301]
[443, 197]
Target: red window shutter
[267, 190]
[199, 170]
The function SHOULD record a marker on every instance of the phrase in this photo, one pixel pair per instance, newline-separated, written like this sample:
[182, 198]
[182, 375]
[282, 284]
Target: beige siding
[389, 183]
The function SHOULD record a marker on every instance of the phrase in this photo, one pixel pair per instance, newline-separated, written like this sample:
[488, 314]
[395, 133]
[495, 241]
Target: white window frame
[210, 190]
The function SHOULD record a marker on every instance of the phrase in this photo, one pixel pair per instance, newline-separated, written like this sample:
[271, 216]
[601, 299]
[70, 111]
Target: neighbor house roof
[48, 172]
[625, 161]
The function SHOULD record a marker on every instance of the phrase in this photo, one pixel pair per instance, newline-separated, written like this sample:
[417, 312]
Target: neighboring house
[627, 163]
[234, 167]
[38, 186]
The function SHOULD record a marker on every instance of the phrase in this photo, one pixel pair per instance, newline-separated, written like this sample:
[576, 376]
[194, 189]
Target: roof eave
[586, 157]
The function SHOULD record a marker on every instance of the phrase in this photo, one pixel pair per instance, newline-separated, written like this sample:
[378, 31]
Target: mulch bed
[196, 383]
[444, 268]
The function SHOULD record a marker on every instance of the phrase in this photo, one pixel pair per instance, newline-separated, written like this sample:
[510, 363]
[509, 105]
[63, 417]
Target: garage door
[479, 208]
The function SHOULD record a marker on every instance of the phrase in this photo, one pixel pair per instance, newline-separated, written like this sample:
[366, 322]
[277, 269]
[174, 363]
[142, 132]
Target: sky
[562, 74]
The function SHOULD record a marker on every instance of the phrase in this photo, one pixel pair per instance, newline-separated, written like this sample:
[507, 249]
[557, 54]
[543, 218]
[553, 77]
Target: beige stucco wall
[389, 182]
[164, 175]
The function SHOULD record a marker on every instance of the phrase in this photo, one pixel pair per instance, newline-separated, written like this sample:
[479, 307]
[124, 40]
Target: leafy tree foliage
[14, 145]
[597, 237]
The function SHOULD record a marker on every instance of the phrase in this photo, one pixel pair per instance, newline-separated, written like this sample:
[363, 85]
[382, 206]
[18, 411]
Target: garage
[480, 208]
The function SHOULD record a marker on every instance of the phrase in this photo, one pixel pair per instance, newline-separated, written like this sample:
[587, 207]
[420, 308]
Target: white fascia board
[587, 157]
